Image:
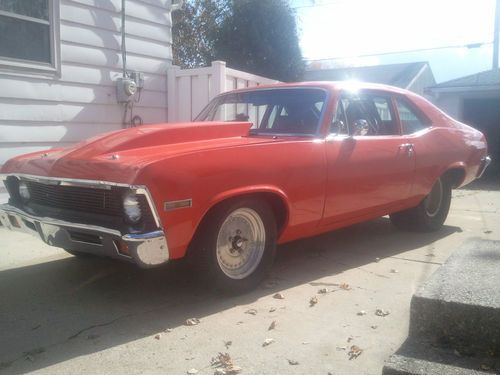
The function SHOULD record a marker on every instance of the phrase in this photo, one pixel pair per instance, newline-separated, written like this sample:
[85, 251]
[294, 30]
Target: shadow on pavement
[52, 307]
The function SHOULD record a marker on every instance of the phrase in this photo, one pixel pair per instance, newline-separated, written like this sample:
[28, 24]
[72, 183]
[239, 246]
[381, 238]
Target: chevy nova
[258, 167]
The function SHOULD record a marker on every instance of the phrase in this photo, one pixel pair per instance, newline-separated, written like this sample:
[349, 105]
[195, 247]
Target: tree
[194, 30]
[261, 37]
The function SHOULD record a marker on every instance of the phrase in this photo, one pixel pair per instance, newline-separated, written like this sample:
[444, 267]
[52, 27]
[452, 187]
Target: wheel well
[456, 176]
[276, 203]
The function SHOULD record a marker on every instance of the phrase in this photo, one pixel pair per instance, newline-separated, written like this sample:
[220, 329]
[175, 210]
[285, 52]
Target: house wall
[40, 111]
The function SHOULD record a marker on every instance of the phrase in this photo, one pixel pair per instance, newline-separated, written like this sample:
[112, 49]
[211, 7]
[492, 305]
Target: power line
[468, 46]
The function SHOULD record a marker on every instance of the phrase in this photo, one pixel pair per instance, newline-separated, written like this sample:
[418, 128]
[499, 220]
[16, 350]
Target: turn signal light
[122, 247]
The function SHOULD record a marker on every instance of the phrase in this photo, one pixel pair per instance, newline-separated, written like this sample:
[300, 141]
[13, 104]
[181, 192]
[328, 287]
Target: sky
[371, 32]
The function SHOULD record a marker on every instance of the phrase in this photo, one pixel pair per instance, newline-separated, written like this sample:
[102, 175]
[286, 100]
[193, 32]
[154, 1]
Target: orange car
[258, 167]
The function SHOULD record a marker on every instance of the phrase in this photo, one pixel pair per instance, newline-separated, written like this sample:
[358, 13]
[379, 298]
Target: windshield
[274, 111]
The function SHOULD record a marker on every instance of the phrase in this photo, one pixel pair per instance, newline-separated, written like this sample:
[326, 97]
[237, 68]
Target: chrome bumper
[484, 164]
[145, 249]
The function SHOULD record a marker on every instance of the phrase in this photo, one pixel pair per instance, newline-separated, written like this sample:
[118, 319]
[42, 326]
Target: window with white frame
[28, 34]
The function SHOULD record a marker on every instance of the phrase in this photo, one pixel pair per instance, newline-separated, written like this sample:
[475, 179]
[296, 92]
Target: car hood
[118, 156]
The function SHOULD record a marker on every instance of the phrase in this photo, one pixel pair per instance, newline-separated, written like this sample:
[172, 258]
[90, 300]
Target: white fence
[190, 90]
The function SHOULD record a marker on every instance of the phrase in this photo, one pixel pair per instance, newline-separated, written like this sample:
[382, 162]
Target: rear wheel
[236, 245]
[430, 214]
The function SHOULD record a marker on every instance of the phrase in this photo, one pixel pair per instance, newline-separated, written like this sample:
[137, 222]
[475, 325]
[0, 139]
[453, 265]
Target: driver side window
[367, 114]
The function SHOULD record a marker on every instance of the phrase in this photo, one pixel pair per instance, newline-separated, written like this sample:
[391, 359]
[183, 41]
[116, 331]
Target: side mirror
[361, 127]
[338, 127]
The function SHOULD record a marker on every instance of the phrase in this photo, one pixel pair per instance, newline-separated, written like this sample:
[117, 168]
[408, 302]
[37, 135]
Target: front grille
[96, 201]
[81, 204]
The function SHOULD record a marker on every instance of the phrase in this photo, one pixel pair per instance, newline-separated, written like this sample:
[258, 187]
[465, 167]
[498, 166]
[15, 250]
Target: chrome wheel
[433, 201]
[241, 243]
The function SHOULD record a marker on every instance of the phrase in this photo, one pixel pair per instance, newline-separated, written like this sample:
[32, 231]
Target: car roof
[330, 85]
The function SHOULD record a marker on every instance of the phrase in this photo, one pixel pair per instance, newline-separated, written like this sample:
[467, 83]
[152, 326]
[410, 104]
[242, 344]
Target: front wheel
[430, 214]
[236, 245]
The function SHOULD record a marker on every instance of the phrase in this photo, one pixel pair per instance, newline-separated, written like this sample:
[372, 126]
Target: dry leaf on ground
[323, 291]
[272, 326]
[354, 352]
[313, 301]
[344, 286]
[361, 313]
[279, 296]
[251, 312]
[382, 312]
[192, 322]
[292, 362]
[267, 342]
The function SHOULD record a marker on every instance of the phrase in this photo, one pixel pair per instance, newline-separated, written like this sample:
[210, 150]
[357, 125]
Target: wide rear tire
[430, 214]
[235, 247]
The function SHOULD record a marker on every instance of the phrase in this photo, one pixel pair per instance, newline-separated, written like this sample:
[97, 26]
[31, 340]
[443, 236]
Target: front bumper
[484, 164]
[145, 249]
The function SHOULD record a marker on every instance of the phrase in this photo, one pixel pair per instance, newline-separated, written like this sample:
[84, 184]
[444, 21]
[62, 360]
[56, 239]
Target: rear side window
[411, 120]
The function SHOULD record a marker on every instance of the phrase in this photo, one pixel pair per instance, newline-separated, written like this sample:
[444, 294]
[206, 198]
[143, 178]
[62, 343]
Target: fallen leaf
[157, 336]
[373, 327]
[272, 309]
[313, 301]
[350, 338]
[382, 312]
[394, 271]
[361, 313]
[225, 365]
[268, 342]
[291, 362]
[227, 344]
[192, 322]
[222, 360]
[272, 326]
[251, 312]
[355, 352]
[344, 286]
[323, 291]
[193, 371]
[278, 296]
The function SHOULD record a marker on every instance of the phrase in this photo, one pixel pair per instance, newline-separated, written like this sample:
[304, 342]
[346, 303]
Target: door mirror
[361, 127]
[338, 128]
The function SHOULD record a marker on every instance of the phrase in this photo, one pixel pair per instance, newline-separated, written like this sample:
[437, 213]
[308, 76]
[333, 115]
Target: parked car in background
[258, 167]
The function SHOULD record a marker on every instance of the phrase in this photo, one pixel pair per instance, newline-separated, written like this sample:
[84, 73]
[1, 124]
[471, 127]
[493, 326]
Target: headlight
[24, 192]
[131, 207]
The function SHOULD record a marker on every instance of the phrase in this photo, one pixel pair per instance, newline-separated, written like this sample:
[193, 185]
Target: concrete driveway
[60, 314]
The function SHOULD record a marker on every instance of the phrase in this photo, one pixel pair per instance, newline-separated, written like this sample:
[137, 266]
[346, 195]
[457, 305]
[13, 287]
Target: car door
[370, 164]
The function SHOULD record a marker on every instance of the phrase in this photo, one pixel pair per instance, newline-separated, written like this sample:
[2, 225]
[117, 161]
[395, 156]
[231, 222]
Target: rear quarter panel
[448, 144]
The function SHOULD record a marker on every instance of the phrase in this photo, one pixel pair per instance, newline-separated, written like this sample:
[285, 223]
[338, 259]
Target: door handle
[409, 147]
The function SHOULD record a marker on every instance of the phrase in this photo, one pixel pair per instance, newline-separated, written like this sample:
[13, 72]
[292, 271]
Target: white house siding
[44, 111]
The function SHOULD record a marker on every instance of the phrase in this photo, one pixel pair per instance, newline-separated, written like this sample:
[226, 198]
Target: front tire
[430, 214]
[236, 245]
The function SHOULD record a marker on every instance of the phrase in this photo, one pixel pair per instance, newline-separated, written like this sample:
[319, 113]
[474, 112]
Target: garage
[474, 100]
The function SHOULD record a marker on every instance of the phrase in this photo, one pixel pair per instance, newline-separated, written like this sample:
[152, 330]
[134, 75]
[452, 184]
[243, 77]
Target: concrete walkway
[60, 314]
